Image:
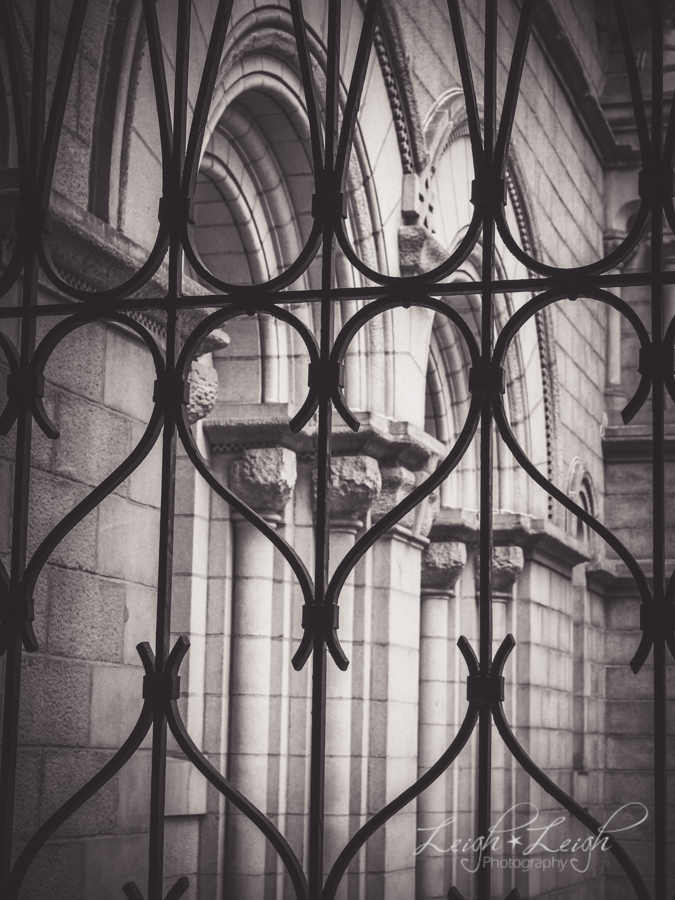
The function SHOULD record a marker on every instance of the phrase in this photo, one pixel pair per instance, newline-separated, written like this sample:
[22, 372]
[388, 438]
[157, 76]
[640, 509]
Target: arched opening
[253, 198]
[123, 46]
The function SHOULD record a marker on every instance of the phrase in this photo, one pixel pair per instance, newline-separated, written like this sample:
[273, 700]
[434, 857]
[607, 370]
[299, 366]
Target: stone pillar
[507, 563]
[442, 564]
[195, 812]
[355, 484]
[394, 711]
[264, 479]
[613, 378]
[615, 395]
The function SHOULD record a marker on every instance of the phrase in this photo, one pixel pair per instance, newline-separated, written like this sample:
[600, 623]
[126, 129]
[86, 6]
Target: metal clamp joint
[161, 687]
[488, 190]
[173, 211]
[325, 373]
[27, 609]
[484, 688]
[329, 205]
[320, 616]
[170, 389]
[648, 181]
[657, 617]
[487, 379]
[23, 611]
[25, 386]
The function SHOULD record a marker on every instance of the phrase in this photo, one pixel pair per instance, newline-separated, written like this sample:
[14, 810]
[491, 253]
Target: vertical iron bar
[326, 198]
[21, 497]
[484, 792]
[171, 201]
[658, 465]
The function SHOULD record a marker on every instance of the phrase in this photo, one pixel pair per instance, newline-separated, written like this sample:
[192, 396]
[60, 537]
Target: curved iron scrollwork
[332, 130]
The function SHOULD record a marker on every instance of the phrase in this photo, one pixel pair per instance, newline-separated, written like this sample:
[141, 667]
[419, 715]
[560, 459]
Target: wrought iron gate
[37, 128]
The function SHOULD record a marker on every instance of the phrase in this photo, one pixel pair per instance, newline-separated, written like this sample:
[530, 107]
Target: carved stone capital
[355, 483]
[203, 381]
[507, 564]
[426, 514]
[264, 478]
[442, 564]
[418, 250]
[397, 483]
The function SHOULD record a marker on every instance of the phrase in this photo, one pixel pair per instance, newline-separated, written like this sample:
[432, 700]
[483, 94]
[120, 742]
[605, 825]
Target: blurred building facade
[572, 607]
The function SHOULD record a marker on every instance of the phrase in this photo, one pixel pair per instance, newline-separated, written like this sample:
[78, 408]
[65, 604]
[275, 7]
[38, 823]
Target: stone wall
[571, 699]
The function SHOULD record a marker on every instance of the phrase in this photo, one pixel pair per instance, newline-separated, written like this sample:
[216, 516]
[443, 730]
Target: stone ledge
[613, 575]
[266, 425]
[93, 255]
[455, 524]
[534, 535]
[633, 443]
[539, 535]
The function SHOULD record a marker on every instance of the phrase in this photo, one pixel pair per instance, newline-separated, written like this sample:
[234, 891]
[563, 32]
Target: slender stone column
[195, 812]
[615, 394]
[394, 703]
[442, 564]
[507, 563]
[355, 484]
[264, 479]
[613, 349]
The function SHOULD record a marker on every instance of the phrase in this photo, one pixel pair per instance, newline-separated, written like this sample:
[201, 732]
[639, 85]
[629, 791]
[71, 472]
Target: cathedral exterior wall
[573, 703]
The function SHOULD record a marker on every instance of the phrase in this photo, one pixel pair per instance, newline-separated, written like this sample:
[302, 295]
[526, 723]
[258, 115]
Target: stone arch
[446, 407]
[523, 224]
[260, 68]
[259, 132]
[581, 489]
[120, 59]
[529, 367]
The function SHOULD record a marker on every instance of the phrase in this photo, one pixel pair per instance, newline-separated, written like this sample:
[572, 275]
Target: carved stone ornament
[442, 564]
[355, 483]
[203, 391]
[418, 249]
[507, 564]
[397, 483]
[264, 478]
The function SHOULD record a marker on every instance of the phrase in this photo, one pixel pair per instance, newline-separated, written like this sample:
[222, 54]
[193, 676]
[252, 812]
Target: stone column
[507, 563]
[616, 396]
[613, 377]
[394, 711]
[355, 484]
[195, 812]
[442, 564]
[264, 479]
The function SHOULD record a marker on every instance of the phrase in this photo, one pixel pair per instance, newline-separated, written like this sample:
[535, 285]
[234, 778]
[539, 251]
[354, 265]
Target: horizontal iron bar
[372, 292]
